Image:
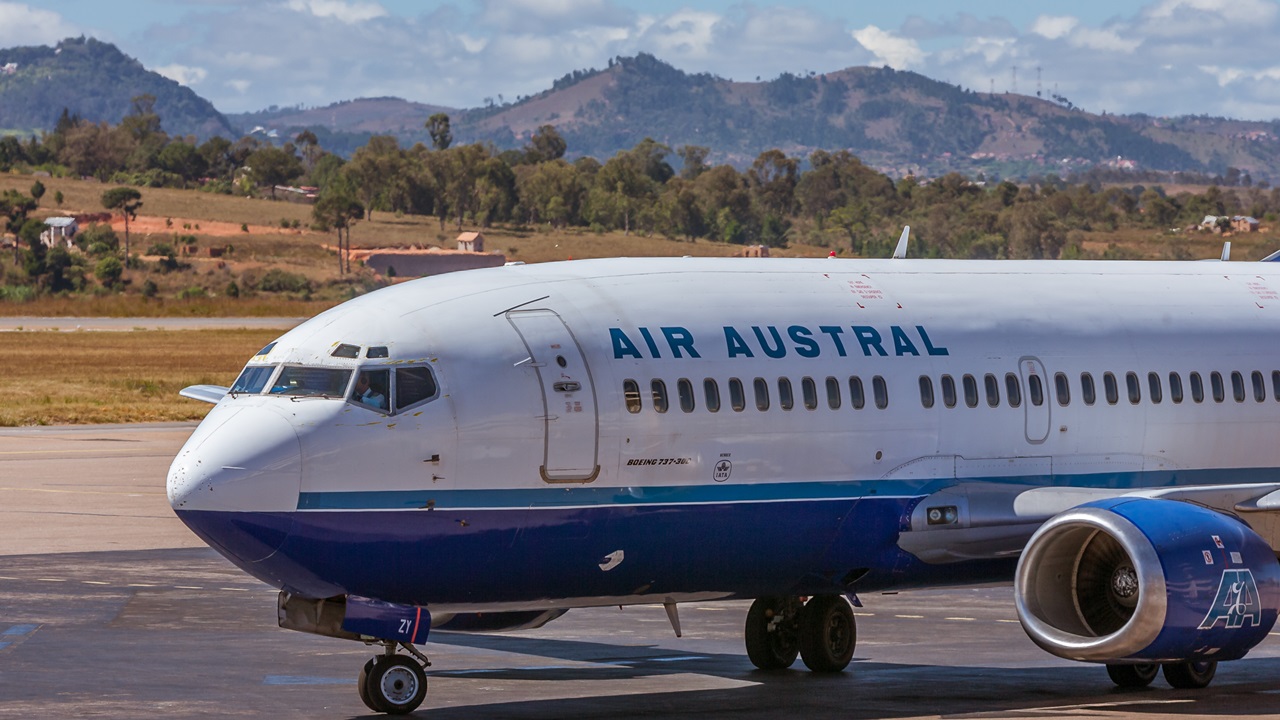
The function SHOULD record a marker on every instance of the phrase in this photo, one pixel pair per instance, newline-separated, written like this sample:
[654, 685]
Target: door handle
[567, 387]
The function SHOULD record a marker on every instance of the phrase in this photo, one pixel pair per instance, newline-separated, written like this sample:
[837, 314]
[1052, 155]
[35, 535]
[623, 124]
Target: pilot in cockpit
[367, 394]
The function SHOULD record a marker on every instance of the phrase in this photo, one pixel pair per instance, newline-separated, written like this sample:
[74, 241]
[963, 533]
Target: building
[755, 251]
[1244, 223]
[471, 242]
[59, 230]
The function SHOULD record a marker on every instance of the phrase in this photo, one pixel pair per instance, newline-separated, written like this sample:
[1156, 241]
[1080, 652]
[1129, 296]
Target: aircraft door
[568, 396]
[1036, 399]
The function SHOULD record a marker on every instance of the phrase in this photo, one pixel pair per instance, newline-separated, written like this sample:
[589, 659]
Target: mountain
[96, 81]
[894, 119]
[344, 126]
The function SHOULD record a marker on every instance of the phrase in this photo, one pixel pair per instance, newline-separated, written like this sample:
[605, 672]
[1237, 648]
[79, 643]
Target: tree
[374, 169]
[108, 271]
[37, 190]
[441, 135]
[336, 209]
[14, 207]
[126, 201]
[695, 160]
[273, 166]
[546, 144]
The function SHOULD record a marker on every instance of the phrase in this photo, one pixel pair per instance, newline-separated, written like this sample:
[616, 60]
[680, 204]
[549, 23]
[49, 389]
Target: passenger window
[1237, 386]
[856, 397]
[631, 395]
[659, 392]
[1035, 390]
[762, 394]
[833, 393]
[881, 392]
[1135, 390]
[810, 392]
[970, 391]
[737, 398]
[1063, 389]
[1215, 380]
[253, 379]
[948, 391]
[1013, 389]
[711, 394]
[786, 400]
[413, 385]
[1153, 384]
[1197, 387]
[1259, 387]
[1088, 392]
[1175, 387]
[926, 391]
[992, 387]
[371, 389]
[1109, 385]
[684, 389]
[1275, 384]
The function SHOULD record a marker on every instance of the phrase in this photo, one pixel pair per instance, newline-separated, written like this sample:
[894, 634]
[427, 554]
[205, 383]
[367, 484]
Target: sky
[1160, 57]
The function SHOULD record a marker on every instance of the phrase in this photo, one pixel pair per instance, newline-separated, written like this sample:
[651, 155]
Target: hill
[344, 126]
[95, 81]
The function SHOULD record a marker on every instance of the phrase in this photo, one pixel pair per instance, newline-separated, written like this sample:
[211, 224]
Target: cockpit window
[377, 351]
[346, 351]
[265, 350]
[253, 379]
[413, 385]
[372, 388]
[311, 382]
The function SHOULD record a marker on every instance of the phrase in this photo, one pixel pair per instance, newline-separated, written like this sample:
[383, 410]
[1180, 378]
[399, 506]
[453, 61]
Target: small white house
[471, 242]
[59, 230]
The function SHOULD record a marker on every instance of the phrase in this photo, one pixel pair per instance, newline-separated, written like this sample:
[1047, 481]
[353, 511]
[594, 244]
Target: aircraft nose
[236, 481]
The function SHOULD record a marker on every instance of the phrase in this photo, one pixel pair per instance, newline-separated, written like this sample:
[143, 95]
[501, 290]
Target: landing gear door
[568, 396]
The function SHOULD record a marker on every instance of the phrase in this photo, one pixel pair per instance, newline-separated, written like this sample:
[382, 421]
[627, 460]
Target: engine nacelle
[1147, 580]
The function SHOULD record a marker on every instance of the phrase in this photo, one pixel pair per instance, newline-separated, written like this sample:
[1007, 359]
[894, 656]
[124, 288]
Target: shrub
[98, 235]
[108, 270]
[149, 288]
[277, 280]
[195, 291]
[233, 290]
[160, 249]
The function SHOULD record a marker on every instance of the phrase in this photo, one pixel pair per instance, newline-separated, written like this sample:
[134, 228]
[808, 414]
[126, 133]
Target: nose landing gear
[394, 684]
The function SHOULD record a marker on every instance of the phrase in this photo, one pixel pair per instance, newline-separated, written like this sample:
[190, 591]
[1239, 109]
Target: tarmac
[110, 608]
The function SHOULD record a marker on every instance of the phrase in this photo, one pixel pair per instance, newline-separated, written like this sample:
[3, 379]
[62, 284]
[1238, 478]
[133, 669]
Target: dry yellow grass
[112, 377]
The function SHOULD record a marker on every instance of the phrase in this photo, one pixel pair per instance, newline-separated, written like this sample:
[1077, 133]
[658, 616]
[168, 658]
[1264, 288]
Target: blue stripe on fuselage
[589, 496]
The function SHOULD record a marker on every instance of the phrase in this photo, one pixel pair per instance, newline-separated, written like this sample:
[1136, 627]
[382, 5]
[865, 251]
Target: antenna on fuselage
[901, 250]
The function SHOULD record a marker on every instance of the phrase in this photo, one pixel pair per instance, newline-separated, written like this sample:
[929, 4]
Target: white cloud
[888, 48]
[687, 32]
[239, 85]
[22, 24]
[182, 74]
[1104, 40]
[347, 12]
[1054, 26]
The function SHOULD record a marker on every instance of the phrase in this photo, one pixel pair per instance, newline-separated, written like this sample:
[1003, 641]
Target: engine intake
[1146, 580]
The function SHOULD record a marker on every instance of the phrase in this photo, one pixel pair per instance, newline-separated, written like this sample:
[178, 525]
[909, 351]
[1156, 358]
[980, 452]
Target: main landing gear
[392, 683]
[1183, 675]
[821, 632]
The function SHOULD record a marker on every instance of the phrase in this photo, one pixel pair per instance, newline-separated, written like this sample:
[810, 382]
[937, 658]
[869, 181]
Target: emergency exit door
[1036, 400]
[571, 429]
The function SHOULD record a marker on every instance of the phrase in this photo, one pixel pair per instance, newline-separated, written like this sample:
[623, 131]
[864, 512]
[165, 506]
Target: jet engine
[1147, 580]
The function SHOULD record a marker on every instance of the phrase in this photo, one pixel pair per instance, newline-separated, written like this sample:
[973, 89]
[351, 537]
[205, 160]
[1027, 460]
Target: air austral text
[773, 341]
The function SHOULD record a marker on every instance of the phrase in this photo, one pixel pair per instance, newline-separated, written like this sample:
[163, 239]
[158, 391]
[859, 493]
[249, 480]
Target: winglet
[204, 393]
[901, 250]
[1226, 251]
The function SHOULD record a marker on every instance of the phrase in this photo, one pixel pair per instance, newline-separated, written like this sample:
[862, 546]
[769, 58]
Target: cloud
[21, 24]
[1054, 26]
[888, 48]
[347, 12]
[182, 74]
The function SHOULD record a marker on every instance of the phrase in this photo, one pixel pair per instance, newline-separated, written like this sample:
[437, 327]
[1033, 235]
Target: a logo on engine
[1236, 602]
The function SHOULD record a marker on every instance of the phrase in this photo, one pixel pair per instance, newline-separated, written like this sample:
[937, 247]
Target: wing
[984, 520]
[204, 393]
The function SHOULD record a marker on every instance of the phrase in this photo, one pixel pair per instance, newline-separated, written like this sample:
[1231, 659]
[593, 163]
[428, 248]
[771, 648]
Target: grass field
[113, 377]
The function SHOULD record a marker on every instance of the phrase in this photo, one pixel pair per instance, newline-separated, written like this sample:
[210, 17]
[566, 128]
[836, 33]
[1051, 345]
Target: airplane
[488, 449]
